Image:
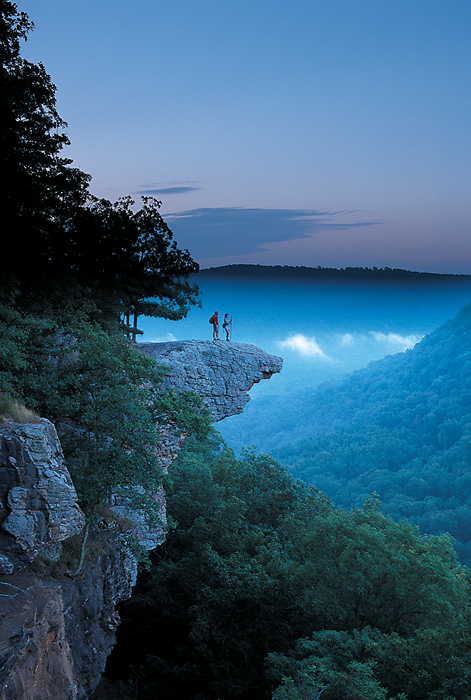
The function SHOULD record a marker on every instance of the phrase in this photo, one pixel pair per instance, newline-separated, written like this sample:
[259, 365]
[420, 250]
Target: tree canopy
[59, 235]
[263, 589]
[74, 270]
[130, 257]
[40, 190]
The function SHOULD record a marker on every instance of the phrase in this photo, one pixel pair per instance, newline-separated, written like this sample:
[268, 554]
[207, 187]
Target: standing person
[227, 325]
[215, 321]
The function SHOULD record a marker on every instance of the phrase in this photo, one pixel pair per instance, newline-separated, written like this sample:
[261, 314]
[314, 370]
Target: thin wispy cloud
[347, 339]
[307, 347]
[392, 339]
[230, 231]
[169, 190]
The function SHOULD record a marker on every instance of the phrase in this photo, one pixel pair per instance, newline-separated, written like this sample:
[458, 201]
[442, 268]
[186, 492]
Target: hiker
[215, 321]
[227, 325]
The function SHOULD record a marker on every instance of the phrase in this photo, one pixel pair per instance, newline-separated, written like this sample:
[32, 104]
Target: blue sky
[333, 132]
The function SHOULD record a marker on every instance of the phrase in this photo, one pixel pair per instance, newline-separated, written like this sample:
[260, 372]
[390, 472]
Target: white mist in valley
[323, 329]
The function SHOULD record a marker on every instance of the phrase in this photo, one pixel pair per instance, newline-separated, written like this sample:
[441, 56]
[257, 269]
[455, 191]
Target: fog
[322, 329]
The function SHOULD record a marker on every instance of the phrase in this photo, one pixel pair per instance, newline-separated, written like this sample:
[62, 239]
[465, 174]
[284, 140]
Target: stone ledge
[221, 372]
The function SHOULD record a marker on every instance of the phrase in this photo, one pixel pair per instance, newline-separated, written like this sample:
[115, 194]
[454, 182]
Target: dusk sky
[332, 133]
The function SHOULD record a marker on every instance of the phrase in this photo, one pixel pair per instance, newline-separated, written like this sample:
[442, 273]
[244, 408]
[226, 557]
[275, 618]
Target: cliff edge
[58, 625]
[221, 372]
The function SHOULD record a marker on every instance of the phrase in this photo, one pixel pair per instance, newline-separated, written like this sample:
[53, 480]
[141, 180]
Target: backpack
[211, 320]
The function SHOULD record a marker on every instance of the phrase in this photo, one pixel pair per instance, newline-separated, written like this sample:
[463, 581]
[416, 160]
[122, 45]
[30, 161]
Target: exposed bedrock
[38, 501]
[221, 372]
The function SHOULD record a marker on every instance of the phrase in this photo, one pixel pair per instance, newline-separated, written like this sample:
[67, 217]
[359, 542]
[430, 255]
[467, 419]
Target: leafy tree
[431, 665]
[129, 257]
[220, 588]
[104, 397]
[331, 665]
[40, 191]
[63, 242]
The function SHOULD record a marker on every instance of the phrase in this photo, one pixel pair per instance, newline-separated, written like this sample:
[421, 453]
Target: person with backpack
[227, 325]
[215, 321]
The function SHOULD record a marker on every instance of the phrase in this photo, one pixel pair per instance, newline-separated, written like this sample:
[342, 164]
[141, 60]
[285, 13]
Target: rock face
[37, 497]
[58, 626]
[55, 635]
[220, 372]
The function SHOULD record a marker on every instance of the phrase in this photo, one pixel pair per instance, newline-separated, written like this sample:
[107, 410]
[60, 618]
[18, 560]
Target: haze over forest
[326, 323]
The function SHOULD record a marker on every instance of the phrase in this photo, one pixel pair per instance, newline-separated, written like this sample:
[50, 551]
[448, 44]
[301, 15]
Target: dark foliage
[302, 274]
[40, 191]
[102, 394]
[130, 257]
[61, 241]
[259, 572]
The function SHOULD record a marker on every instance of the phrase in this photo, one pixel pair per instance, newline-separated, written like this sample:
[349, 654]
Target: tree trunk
[127, 324]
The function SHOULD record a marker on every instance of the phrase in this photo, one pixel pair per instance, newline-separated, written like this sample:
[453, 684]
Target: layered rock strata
[38, 501]
[221, 372]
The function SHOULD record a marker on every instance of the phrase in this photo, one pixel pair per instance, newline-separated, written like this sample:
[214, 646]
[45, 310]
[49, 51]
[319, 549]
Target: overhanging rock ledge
[221, 372]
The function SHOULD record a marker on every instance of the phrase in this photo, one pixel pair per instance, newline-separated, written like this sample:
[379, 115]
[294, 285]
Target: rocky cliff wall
[57, 617]
[38, 502]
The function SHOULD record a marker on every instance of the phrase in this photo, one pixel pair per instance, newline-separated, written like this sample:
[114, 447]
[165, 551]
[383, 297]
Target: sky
[302, 132]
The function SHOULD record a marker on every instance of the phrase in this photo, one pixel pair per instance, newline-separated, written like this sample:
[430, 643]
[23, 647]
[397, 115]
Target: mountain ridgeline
[401, 427]
[300, 273]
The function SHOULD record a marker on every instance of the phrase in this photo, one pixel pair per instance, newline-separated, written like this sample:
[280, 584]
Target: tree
[104, 398]
[63, 241]
[130, 258]
[40, 191]
[262, 583]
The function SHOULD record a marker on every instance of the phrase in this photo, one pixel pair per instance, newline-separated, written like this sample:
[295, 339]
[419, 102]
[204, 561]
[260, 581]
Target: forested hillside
[264, 590]
[401, 427]
[283, 273]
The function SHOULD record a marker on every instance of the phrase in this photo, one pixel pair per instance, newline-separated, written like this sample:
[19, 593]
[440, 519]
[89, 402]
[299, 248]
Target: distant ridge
[315, 274]
[435, 372]
[400, 427]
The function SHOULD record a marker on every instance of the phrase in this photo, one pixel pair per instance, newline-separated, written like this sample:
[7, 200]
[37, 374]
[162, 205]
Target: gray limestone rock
[37, 497]
[220, 372]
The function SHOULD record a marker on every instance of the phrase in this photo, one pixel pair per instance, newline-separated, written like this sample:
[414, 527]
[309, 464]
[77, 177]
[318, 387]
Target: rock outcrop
[58, 625]
[220, 372]
[38, 501]
[57, 632]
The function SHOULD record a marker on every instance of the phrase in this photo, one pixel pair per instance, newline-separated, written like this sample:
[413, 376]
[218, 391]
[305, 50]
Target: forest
[281, 273]
[263, 587]
[399, 428]
[266, 587]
